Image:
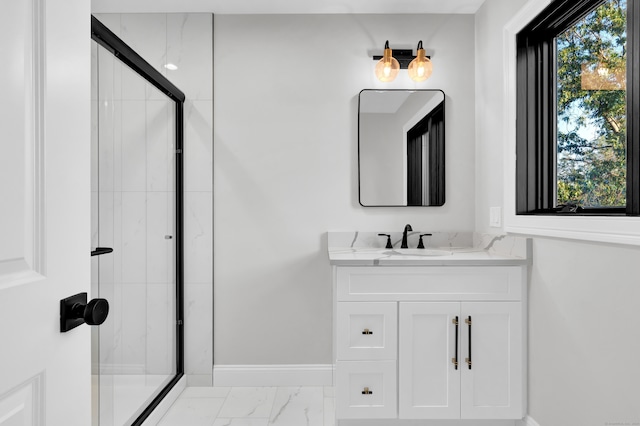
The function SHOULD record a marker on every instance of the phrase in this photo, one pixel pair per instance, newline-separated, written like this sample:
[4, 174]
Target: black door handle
[75, 311]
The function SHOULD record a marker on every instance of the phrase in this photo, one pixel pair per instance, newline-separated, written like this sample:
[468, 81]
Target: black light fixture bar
[403, 56]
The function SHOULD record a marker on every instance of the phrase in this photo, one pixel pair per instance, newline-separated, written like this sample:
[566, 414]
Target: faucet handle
[420, 243]
[389, 246]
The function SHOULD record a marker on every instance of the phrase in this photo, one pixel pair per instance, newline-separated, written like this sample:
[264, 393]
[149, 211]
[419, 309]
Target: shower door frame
[107, 39]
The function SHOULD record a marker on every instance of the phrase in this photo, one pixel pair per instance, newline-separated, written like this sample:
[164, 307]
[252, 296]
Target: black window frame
[536, 110]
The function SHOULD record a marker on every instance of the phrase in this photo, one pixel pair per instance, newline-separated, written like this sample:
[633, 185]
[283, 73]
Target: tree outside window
[591, 109]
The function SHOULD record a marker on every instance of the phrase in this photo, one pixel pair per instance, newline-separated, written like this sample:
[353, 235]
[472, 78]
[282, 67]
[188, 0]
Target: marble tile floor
[244, 406]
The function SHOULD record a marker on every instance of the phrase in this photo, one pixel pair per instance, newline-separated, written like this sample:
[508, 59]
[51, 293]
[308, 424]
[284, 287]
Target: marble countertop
[394, 257]
[362, 249]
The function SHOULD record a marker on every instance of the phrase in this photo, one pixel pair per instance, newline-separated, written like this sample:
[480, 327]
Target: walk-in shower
[137, 240]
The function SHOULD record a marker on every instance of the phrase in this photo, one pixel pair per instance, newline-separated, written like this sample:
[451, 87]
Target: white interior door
[44, 210]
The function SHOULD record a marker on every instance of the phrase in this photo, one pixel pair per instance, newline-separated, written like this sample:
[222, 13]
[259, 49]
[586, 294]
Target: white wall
[285, 165]
[489, 22]
[583, 297]
[584, 334]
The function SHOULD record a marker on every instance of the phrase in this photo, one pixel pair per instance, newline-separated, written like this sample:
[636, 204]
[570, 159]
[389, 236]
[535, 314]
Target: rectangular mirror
[401, 148]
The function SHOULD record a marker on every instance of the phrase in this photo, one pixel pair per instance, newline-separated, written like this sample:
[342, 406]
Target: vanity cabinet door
[429, 383]
[493, 387]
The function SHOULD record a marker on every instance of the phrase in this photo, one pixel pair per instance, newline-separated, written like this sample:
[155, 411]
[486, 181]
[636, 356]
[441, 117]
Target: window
[577, 82]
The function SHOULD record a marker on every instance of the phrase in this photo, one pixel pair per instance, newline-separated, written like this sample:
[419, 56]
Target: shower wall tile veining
[186, 42]
[134, 216]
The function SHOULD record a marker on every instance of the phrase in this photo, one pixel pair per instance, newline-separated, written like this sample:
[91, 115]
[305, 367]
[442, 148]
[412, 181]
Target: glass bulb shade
[387, 68]
[421, 67]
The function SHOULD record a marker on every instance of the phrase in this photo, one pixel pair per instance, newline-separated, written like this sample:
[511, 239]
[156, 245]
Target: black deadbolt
[75, 311]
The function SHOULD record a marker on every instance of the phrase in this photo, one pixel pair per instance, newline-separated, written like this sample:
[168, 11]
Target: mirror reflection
[401, 147]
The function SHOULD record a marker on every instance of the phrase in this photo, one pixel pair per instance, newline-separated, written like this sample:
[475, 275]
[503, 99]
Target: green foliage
[592, 113]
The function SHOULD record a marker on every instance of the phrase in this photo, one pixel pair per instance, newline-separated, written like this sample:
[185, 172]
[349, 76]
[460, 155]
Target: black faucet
[407, 227]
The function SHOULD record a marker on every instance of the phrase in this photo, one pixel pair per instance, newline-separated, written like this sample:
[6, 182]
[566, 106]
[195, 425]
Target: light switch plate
[495, 217]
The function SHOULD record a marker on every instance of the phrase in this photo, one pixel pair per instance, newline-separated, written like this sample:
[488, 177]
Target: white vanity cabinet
[430, 342]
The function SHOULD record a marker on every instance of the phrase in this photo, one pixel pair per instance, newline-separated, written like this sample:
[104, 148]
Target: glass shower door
[134, 213]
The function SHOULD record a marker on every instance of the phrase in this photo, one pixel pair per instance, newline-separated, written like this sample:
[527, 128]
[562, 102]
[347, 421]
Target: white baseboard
[199, 380]
[273, 375]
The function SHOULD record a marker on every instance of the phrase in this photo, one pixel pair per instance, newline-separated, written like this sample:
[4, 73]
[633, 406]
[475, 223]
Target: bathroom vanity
[432, 334]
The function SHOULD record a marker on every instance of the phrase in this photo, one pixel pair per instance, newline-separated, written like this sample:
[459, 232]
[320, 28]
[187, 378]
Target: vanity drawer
[366, 390]
[377, 283]
[367, 331]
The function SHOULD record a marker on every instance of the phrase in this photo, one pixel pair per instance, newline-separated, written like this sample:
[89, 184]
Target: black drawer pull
[366, 391]
[367, 331]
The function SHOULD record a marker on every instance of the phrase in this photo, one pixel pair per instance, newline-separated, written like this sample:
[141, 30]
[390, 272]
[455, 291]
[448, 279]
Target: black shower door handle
[101, 250]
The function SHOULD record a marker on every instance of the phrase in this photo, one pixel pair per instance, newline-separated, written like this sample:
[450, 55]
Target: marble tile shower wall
[140, 183]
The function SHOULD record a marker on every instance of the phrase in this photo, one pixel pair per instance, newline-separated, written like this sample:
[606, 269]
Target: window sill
[583, 212]
[607, 229]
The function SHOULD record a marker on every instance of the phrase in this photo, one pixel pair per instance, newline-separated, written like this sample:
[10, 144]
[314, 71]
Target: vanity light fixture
[388, 67]
[392, 62]
[421, 67]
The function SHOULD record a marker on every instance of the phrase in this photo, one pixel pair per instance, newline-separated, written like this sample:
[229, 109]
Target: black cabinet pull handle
[455, 359]
[366, 391]
[468, 360]
[367, 331]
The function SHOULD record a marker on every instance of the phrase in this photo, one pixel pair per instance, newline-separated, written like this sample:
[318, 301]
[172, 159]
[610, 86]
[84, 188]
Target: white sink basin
[419, 252]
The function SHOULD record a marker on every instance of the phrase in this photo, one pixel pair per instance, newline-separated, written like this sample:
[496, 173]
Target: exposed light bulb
[421, 67]
[171, 67]
[388, 67]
